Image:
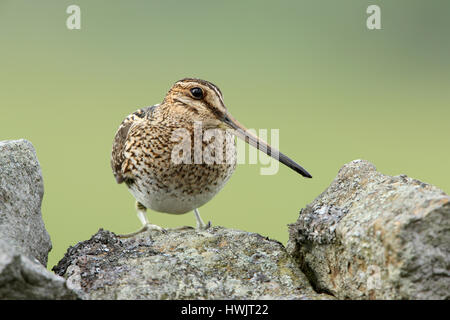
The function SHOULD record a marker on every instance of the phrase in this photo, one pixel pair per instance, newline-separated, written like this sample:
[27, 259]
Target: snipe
[146, 151]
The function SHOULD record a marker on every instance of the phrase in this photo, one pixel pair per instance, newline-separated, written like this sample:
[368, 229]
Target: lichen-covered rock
[24, 241]
[23, 278]
[373, 236]
[184, 264]
[21, 192]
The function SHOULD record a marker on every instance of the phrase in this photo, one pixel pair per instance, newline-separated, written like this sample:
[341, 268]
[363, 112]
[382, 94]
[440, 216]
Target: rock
[184, 264]
[23, 278]
[368, 236]
[24, 241]
[21, 192]
[373, 236]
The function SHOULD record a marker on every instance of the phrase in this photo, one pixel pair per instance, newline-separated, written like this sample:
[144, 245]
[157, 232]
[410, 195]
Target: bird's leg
[146, 225]
[200, 224]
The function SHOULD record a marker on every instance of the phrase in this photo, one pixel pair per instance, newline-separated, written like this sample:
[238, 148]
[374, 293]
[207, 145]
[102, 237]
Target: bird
[159, 152]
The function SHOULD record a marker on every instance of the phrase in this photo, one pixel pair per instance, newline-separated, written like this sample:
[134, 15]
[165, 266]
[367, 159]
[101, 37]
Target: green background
[335, 90]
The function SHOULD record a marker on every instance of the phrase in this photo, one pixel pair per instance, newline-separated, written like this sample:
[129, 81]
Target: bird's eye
[197, 93]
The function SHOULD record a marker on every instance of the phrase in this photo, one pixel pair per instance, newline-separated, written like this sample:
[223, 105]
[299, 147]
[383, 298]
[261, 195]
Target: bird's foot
[146, 227]
[150, 226]
[200, 224]
[200, 227]
[203, 226]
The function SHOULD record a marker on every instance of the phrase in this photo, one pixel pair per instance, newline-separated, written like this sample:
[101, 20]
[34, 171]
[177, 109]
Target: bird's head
[200, 100]
[197, 100]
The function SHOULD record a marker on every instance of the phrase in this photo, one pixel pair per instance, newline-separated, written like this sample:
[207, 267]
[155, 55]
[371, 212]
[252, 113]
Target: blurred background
[335, 90]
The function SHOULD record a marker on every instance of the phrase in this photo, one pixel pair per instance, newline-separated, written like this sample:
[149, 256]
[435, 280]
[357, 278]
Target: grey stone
[184, 264]
[24, 241]
[373, 236]
[21, 192]
[368, 236]
[23, 278]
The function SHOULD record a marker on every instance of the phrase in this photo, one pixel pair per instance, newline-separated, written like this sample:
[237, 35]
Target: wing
[122, 136]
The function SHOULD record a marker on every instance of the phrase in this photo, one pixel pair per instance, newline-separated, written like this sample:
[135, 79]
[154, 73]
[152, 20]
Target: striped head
[200, 100]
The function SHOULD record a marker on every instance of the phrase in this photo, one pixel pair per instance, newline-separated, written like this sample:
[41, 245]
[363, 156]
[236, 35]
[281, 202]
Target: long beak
[242, 133]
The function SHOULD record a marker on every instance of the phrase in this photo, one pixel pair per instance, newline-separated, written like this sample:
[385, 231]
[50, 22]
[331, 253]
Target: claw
[150, 226]
[147, 227]
[204, 226]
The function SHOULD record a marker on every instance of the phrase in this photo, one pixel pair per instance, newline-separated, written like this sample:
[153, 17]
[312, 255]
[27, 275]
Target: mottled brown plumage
[117, 156]
[150, 142]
